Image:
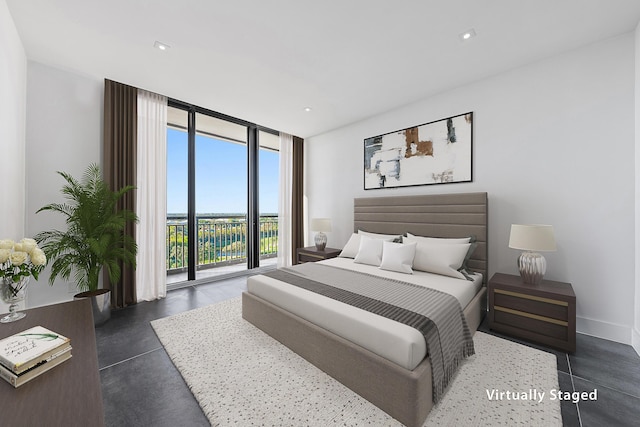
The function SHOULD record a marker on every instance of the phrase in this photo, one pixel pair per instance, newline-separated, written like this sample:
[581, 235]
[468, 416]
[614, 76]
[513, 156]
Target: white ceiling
[265, 61]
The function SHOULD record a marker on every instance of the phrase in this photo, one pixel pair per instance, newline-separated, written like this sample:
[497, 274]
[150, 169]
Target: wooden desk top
[70, 393]
[544, 288]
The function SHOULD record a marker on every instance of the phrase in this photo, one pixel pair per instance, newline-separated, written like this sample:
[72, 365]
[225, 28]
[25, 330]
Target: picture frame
[437, 152]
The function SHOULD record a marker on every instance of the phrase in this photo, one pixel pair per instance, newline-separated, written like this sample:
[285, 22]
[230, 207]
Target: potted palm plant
[94, 238]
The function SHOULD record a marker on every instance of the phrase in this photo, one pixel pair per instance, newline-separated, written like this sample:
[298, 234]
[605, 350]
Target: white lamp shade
[532, 237]
[320, 224]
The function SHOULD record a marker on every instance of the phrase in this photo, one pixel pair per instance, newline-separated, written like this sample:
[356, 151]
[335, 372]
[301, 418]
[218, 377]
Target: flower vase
[12, 293]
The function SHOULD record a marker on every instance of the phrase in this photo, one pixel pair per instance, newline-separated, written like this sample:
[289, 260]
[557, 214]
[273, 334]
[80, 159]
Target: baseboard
[635, 340]
[606, 330]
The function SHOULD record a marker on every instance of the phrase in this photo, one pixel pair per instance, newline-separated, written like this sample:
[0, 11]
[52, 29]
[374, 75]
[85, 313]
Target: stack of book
[26, 355]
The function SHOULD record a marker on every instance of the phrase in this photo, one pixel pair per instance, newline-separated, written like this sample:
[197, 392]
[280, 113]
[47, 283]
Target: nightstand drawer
[545, 307]
[523, 322]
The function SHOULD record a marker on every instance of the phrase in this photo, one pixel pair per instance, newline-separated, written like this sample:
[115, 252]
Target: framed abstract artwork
[433, 153]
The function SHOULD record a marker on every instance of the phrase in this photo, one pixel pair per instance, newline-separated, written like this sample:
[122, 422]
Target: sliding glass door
[177, 195]
[221, 196]
[222, 177]
[268, 163]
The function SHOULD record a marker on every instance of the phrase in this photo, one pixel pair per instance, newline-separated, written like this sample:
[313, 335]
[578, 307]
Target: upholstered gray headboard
[436, 215]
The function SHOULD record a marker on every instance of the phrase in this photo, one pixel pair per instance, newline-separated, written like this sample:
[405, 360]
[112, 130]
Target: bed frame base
[405, 395]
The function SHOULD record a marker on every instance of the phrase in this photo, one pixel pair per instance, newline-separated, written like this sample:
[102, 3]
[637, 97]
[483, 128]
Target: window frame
[253, 208]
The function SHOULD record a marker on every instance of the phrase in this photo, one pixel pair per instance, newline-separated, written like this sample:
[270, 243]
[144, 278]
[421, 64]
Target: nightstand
[312, 254]
[544, 313]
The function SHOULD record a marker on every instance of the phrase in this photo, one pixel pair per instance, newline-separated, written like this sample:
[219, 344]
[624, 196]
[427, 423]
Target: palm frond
[95, 235]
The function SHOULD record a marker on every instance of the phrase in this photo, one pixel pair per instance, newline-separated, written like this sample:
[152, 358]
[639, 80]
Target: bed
[402, 387]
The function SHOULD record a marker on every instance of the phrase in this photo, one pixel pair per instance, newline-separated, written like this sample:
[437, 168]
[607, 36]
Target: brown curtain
[119, 169]
[297, 214]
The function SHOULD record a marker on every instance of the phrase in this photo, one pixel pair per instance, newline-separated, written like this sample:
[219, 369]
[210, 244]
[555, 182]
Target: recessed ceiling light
[307, 109]
[469, 34]
[161, 46]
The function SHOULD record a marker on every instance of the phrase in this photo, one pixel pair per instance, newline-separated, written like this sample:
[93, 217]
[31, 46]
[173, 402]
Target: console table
[70, 393]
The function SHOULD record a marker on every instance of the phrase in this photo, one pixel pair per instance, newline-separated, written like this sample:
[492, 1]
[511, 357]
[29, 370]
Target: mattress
[396, 342]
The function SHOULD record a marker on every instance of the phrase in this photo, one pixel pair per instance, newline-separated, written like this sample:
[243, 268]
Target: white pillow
[387, 237]
[370, 251]
[440, 259]
[350, 250]
[438, 239]
[398, 257]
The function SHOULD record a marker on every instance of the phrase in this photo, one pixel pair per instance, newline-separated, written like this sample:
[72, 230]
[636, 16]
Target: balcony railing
[222, 240]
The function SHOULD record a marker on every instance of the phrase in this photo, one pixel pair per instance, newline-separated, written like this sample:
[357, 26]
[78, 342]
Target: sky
[221, 176]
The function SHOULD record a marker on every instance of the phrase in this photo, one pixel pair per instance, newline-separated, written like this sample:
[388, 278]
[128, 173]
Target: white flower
[6, 244]
[18, 257]
[38, 257]
[28, 245]
[29, 241]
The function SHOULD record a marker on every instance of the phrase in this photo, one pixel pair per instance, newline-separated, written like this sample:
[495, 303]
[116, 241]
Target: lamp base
[321, 241]
[532, 266]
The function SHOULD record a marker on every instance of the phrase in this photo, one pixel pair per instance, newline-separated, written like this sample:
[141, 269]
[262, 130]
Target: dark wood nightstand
[544, 313]
[312, 254]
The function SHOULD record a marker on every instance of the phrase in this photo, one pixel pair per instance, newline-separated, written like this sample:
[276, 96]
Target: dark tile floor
[611, 368]
[141, 387]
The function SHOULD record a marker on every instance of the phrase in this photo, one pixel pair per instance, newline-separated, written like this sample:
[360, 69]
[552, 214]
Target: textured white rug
[241, 376]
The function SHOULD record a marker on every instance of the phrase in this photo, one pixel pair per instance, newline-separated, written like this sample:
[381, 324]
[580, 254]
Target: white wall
[553, 144]
[13, 102]
[63, 133]
[13, 90]
[635, 337]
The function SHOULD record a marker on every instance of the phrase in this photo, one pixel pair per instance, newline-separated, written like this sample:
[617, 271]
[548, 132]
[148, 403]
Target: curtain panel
[290, 199]
[119, 169]
[285, 248]
[151, 197]
[297, 197]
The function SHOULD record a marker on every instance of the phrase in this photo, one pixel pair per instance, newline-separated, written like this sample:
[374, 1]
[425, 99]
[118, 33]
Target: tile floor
[611, 368]
[141, 387]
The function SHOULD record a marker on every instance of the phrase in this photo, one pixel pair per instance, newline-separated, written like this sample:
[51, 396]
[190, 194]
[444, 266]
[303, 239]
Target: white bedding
[394, 341]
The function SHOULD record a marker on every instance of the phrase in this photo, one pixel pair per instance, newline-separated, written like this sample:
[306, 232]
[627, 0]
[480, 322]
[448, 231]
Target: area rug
[241, 376]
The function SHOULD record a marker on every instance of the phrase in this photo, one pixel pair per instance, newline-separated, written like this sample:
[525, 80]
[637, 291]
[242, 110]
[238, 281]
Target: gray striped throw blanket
[437, 315]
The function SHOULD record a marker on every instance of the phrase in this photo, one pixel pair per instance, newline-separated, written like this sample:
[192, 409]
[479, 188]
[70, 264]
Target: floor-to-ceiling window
[222, 194]
[177, 193]
[268, 164]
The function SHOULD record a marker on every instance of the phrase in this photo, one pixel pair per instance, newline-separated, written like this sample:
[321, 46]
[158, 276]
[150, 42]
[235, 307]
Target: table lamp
[531, 239]
[321, 225]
